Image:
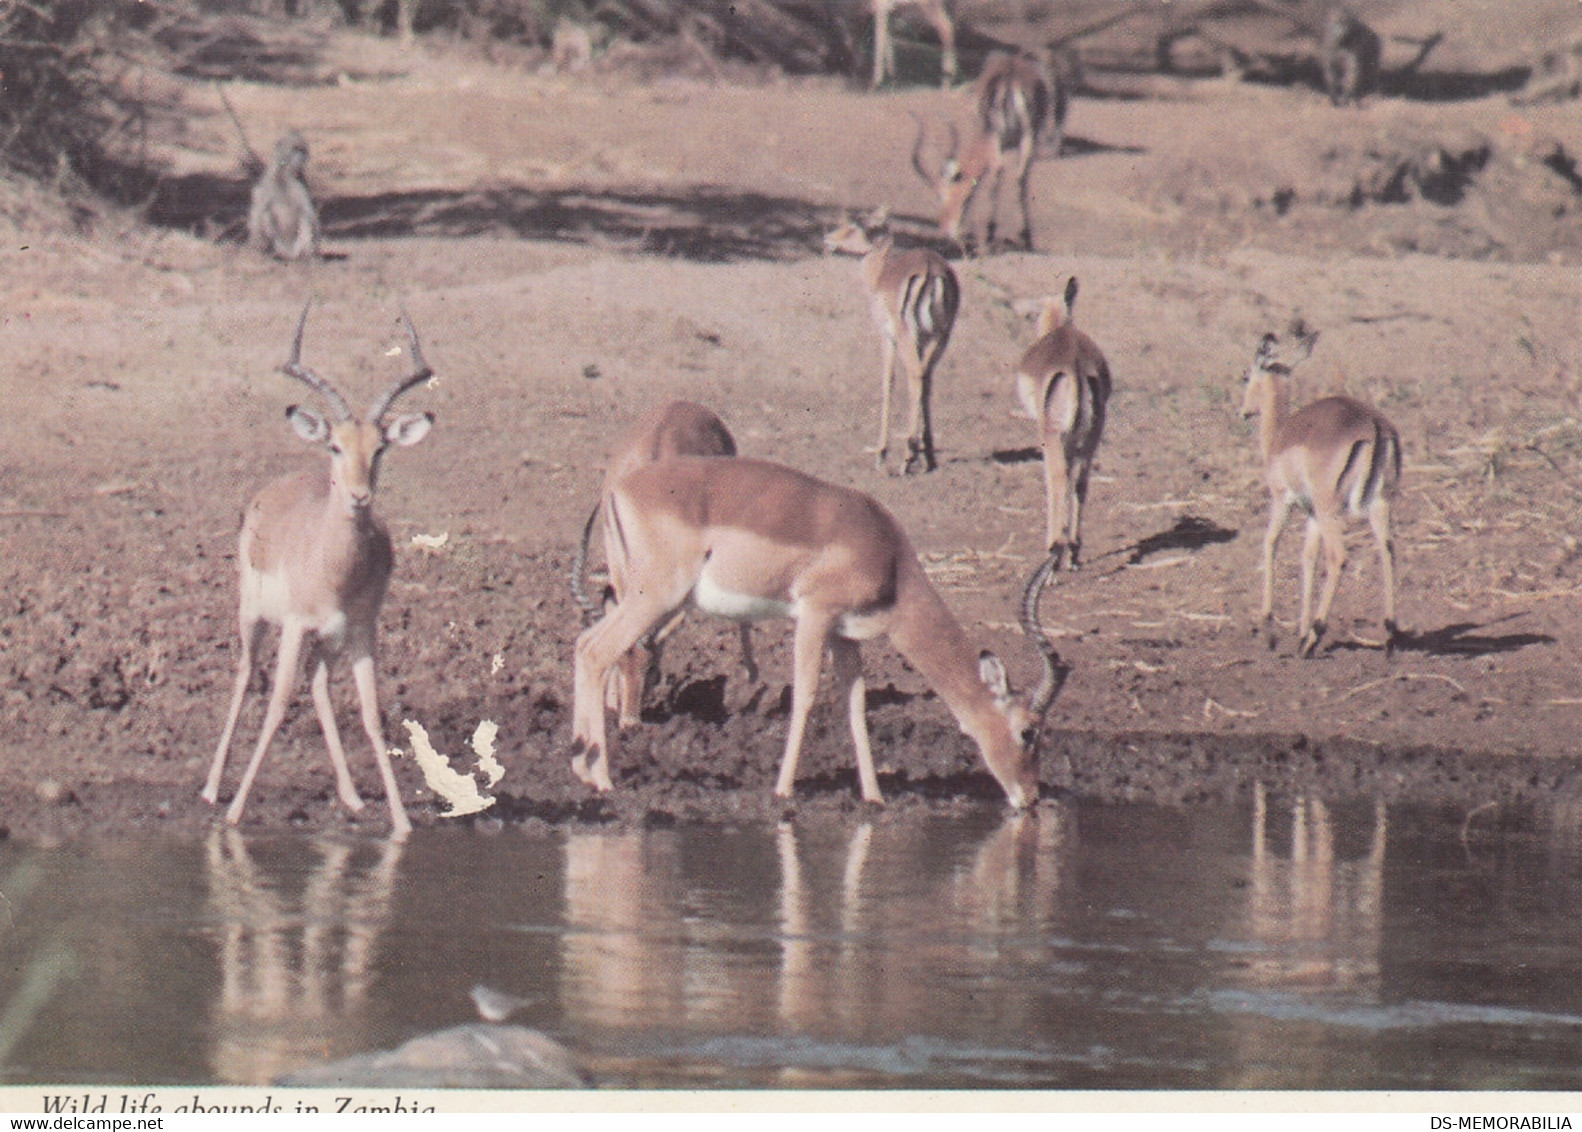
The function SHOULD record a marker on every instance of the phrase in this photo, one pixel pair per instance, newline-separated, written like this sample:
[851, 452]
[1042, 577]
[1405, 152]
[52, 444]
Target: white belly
[268, 598]
[737, 607]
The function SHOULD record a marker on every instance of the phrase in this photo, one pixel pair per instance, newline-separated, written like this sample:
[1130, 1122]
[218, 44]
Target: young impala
[1333, 458]
[937, 13]
[315, 559]
[1012, 99]
[1063, 383]
[680, 428]
[747, 539]
[914, 296]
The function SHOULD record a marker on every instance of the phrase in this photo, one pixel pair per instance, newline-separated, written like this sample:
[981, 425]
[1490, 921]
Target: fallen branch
[1210, 706]
[1360, 688]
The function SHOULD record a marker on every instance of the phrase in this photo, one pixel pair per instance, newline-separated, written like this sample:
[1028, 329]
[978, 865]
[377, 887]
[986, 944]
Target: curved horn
[420, 373]
[295, 368]
[917, 153]
[579, 564]
[1055, 671]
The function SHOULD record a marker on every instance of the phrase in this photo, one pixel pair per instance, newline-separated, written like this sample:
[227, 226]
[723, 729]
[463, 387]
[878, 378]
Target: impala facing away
[1333, 458]
[1012, 100]
[914, 296]
[315, 559]
[937, 13]
[747, 539]
[1063, 383]
[680, 428]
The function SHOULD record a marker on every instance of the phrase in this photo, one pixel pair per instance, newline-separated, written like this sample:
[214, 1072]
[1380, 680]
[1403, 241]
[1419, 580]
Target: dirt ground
[576, 249]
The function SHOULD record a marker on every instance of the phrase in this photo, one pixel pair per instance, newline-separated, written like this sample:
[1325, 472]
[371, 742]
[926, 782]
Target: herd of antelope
[686, 521]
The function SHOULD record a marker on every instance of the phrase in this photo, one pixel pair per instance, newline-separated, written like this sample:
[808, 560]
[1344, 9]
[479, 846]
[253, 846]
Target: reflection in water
[623, 954]
[868, 929]
[294, 968]
[1321, 919]
[1085, 945]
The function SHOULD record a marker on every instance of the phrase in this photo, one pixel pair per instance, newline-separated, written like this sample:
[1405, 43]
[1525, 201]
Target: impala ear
[992, 672]
[1265, 349]
[308, 424]
[1071, 294]
[1304, 347]
[407, 430]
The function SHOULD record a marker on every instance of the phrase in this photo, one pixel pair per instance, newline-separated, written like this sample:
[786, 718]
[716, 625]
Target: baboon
[1348, 52]
[282, 221]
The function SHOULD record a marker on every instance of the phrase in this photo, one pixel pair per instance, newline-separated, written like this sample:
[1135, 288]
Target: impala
[1012, 99]
[1333, 458]
[747, 539]
[914, 296]
[680, 428]
[315, 559]
[937, 13]
[1063, 383]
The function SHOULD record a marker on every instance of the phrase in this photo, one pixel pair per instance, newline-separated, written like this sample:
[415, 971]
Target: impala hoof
[579, 761]
[1310, 642]
[1392, 632]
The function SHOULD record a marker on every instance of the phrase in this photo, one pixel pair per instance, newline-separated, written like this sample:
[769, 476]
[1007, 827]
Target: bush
[58, 97]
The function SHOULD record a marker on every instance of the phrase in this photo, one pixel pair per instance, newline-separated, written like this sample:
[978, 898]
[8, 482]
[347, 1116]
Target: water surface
[1288, 942]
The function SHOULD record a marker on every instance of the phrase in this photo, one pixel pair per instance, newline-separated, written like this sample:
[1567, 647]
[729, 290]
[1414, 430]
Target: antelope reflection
[295, 967]
[1321, 918]
[653, 943]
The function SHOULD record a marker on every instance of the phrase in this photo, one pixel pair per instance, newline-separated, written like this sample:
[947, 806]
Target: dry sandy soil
[574, 250]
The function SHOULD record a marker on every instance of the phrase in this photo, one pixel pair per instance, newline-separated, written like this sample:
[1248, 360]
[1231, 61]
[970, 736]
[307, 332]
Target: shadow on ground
[709, 225]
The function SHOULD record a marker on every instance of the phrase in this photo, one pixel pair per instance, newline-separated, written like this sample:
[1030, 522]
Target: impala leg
[332, 734]
[252, 632]
[947, 39]
[994, 209]
[1332, 537]
[628, 682]
[848, 674]
[1057, 493]
[883, 52]
[1079, 499]
[920, 428]
[285, 679]
[886, 383]
[812, 633]
[598, 648]
[1022, 179]
[1279, 511]
[744, 631]
[368, 697]
[1379, 520]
